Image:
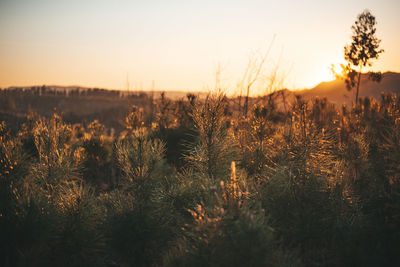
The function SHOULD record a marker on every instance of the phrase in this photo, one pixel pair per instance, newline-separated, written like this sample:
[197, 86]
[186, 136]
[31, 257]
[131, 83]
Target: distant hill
[336, 92]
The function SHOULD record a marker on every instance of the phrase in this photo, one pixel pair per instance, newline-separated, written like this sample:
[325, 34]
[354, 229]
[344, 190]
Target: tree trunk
[240, 104]
[246, 102]
[358, 85]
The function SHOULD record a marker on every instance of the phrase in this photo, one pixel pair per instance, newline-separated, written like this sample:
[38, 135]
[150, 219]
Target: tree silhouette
[363, 48]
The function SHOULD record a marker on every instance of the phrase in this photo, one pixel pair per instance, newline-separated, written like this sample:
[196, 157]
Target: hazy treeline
[65, 91]
[193, 183]
[80, 105]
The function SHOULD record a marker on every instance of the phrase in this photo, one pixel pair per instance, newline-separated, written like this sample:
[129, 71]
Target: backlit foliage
[194, 183]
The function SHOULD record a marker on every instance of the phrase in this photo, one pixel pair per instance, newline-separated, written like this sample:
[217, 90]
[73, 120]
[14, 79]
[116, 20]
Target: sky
[183, 44]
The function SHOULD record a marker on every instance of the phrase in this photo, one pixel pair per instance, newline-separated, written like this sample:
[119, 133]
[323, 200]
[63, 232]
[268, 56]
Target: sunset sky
[180, 45]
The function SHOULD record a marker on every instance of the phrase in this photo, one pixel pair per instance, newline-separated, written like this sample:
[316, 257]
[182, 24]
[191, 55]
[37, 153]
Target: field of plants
[195, 182]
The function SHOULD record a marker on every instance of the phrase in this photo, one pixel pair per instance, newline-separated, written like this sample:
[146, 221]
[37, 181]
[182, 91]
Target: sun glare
[324, 74]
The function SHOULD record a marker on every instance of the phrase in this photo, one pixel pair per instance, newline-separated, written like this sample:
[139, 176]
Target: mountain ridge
[336, 92]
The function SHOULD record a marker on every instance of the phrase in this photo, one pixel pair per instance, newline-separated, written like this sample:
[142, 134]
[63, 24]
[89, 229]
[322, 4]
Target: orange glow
[322, 75]
[178, 45]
